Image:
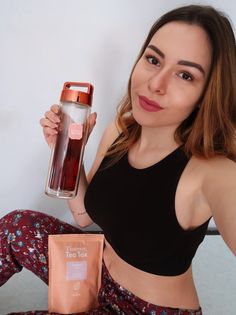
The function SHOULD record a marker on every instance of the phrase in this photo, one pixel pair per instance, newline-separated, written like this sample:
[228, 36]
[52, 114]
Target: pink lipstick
[149, 105]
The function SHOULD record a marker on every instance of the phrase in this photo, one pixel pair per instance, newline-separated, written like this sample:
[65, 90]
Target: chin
[138, 116]
[143, 120]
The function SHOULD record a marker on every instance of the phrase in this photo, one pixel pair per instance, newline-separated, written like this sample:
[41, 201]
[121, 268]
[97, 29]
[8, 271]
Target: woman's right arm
[50, 125]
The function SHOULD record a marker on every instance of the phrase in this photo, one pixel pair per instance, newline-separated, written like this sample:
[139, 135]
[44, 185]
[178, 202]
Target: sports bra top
[135, 208]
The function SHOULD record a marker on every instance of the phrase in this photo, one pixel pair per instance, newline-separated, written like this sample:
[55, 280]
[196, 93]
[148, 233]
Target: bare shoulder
[213, 176]
[220, 179]
[219, 169]
[110, 133]
[213, 167]
[219, 189]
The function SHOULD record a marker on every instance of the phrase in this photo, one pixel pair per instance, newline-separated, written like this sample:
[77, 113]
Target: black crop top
[136, 210]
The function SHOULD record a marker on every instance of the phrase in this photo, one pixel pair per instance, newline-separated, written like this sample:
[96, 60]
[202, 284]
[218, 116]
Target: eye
[152, 60]
[186, 76]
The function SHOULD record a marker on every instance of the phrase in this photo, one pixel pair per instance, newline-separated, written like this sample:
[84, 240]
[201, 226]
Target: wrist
[79, 213]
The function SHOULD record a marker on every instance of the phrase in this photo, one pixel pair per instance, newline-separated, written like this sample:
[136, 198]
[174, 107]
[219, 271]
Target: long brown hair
[210, 128]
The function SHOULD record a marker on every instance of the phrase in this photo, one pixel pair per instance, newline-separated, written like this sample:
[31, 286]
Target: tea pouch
[75, 267]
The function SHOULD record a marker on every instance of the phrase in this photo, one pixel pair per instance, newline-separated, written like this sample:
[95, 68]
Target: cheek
[186, 98]
[182, 111]
[134, 80]
[138, 76]
[135, 83]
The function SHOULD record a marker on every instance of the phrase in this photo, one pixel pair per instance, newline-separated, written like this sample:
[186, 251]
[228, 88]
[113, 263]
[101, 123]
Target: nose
[158, 82]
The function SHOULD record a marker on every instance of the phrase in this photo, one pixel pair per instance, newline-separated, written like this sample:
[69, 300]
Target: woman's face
[169, 78]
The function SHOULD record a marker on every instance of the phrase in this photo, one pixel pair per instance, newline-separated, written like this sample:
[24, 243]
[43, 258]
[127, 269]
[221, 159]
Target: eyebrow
[180, 62]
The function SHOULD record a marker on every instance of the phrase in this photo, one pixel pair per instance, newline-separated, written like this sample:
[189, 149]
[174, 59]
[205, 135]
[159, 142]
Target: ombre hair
[209, 130]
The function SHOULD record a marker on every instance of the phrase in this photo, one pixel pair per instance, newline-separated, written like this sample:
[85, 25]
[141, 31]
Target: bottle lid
[82, 97]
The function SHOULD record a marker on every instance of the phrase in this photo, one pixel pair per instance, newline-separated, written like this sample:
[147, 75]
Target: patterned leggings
[24, 243]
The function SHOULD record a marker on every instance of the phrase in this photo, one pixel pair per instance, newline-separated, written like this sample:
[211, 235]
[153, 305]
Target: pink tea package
[75, 267]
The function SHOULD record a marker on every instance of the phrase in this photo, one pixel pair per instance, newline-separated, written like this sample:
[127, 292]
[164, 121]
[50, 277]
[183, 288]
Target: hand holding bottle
[50, 123]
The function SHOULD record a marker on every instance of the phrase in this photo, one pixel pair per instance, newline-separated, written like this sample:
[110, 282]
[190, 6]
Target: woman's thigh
[24, 241]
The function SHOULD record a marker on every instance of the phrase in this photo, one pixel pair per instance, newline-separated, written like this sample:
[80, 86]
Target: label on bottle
[75, 131]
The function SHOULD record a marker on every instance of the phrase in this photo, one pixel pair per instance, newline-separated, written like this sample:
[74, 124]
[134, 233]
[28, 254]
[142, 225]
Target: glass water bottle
[67, 153]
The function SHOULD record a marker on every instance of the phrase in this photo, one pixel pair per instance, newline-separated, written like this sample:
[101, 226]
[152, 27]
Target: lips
[149, 105]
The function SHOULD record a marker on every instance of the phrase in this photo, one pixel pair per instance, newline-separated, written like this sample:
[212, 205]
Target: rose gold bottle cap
[69, 95]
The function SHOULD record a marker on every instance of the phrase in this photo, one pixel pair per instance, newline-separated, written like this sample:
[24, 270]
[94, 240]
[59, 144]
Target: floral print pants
[24, 243]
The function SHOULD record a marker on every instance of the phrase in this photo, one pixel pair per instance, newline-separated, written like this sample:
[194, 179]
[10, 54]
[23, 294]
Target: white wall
[45, 43]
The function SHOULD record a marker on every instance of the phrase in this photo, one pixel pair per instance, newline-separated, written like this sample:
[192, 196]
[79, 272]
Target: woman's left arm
[219, 188]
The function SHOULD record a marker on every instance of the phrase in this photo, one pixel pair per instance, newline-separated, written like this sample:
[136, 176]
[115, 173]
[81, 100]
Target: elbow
[234, 250]
[83, 222]
[84, 225]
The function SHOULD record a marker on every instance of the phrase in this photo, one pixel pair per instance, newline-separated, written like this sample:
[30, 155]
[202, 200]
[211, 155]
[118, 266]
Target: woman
[162, 170]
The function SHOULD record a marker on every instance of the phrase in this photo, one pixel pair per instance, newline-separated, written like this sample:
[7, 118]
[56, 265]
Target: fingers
[55, 108]
[50, 123]
[51, 118]
[44, 122]
[49, 131]
[92, 121]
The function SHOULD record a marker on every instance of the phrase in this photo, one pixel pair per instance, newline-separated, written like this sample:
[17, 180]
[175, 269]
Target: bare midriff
[170, 291]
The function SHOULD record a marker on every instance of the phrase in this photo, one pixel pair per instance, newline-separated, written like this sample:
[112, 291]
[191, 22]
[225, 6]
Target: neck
[161, 138]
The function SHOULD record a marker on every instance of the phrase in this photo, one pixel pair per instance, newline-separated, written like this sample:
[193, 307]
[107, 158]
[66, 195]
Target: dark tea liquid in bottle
[66, 159]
